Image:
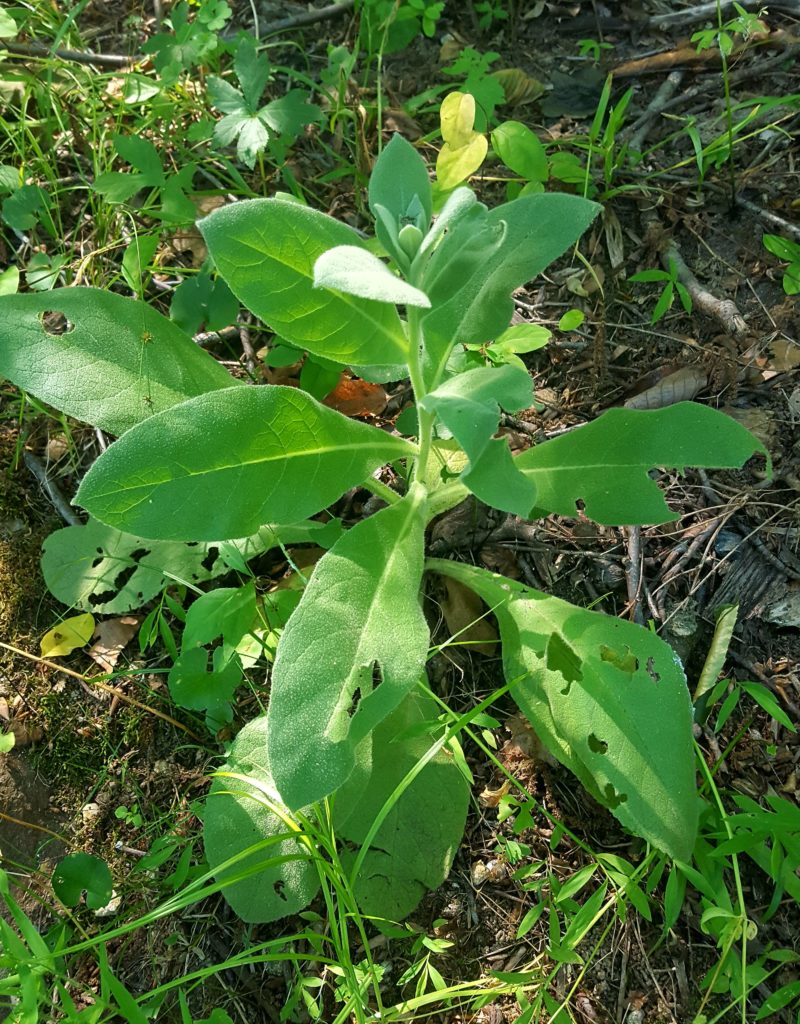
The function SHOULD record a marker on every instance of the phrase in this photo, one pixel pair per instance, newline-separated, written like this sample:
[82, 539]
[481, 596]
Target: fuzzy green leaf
[400, 185]
[118, 360]
[469, 405]
[414, 847]
[606, 697]
[606, 464]
[98, 569]
[484, 258]
[354, 271]
[354, 647]
[267, 455]
[239, 815]
[276, 241]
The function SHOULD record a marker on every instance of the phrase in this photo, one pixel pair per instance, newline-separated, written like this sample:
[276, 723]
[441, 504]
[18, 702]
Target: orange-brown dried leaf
[355, 397]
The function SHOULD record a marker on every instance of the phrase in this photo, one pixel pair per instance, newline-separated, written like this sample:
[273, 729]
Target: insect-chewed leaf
[99, 569]
[267, 455]
[245, 819]
[266, 250]
[355, 646]
[606, 464]
[414, 847]
[469, 406]
[119, 361]
[606, 697]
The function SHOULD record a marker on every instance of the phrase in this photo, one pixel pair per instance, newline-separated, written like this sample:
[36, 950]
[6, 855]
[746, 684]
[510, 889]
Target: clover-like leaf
[270, 455]
[354, 647]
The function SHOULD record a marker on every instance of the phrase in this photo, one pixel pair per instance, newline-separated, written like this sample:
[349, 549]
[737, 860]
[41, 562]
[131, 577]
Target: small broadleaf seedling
[351, 735]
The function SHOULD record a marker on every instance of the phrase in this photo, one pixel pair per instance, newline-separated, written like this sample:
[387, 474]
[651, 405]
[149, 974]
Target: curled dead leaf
[466, 620]
[110, 638]
[355, 397]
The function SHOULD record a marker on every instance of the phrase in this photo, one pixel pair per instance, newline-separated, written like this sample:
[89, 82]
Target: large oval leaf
[277, 875]
[354, 647]
[225, 463]
[607, 463]
[114, 362]
[414, 847]
[266, 250]
[607, 698]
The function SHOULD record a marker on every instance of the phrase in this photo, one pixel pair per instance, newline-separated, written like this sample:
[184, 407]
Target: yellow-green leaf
[67, 636]
[464, 149]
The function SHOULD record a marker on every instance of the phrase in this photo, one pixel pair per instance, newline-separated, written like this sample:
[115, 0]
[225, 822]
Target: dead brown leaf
[110, 638]
[189, 239]
[785, 355]
[355, 397]
[466, 618]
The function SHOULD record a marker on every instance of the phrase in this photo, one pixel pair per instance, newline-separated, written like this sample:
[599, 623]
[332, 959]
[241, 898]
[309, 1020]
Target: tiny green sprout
[592, 48]
[788, 251]
[671, 286]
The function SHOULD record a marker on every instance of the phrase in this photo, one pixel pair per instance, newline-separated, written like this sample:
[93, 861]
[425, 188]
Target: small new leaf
[350, 269]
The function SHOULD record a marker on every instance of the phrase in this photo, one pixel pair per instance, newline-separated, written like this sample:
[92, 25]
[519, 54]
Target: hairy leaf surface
[118, 360]
[400, 184]
[471, 296]
[607, 698]
[266, 250]
[353, 270]
[606, 464]
[239, 816]
[355, 646]
[99, 569]
[413, 849]
[223, 464]
[469, 405]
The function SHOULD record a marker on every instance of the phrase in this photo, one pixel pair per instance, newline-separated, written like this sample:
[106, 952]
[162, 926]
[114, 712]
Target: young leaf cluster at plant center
[350, 728]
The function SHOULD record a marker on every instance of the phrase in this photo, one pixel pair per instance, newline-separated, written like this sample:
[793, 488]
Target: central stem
[418, 384]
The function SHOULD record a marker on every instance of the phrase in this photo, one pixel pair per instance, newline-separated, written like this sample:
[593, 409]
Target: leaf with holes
[99, 569]
[606, 464]
[269, 455]
[354, 647]
[606, 697]
[118, 360]
[414, 847]
[271, 871]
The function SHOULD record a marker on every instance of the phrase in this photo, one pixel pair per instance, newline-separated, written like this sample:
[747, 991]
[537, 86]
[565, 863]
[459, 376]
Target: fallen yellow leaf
[67, 636]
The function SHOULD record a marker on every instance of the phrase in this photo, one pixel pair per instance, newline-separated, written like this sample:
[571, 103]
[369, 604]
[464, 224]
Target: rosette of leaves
[248, 123]
[348, 720]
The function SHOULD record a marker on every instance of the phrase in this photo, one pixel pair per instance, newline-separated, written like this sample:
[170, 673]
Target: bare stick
[105, 60]
[50, 488]
[724, 311]
[664, 94]
[771, 218]
[309, 17]
[633, 572]
[706, 10]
